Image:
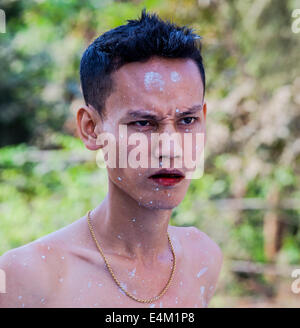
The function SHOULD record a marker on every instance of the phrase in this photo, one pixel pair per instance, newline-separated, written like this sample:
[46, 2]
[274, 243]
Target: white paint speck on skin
[62, 257]
[121, 291]
[132, 273]
[160, 304]
[176, 300]
[43, 257]
[133, 219]
[124, 286]
[100, 285]
[152, 305]
[153, 80]
[42, 300]
[201, 272]
[177, 110]
[49, 248]
[202, 289]
[19, 297]
[175, 77]
[181, 283]
[61, 280]
[119, 178]
[89, 284]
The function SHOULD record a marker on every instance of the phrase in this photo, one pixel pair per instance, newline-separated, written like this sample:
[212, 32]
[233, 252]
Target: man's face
[149, 98]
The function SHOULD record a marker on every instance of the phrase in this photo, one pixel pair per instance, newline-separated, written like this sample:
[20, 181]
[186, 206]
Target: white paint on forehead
[175, 76]
[153, 80]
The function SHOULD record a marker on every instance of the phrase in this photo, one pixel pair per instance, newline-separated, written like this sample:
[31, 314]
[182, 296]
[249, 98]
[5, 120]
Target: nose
[166, 147]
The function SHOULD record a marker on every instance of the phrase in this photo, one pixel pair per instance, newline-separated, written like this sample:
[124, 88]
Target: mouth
[167, 177]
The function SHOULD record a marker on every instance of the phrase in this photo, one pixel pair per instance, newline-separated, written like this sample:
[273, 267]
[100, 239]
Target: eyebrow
[148, 115]
[191, 110]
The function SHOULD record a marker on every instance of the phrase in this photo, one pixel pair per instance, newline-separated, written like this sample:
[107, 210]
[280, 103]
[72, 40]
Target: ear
[87, 119]
[204, 114]
[204, 111]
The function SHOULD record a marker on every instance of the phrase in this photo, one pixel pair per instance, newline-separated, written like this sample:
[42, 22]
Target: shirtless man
[157, 86]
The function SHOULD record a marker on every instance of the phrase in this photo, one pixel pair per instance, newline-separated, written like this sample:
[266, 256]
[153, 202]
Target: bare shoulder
[29, 274]
[33, 271]
[206, 243]
[203, 250]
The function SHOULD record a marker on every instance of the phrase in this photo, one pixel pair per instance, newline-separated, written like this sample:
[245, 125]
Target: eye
[140, 123]
[189, 119]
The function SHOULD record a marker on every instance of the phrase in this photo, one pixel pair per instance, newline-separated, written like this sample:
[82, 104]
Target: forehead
[159, 84]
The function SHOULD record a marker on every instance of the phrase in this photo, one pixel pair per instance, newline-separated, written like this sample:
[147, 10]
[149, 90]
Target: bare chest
[88, 285]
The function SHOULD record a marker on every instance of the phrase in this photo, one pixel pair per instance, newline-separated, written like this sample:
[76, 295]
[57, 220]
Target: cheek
[139, 154]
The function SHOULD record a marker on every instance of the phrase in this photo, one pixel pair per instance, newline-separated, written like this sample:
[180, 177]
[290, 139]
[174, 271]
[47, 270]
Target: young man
[148, 76]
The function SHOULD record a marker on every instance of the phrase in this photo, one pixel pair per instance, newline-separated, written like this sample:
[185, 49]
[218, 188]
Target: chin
[160, 205]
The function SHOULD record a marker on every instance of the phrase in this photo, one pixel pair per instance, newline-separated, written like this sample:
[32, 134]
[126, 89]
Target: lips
[167, 177]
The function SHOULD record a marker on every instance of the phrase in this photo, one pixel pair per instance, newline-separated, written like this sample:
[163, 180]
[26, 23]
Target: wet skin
[65, 269]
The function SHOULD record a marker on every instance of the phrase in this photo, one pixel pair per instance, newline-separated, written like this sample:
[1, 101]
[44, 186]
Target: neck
[127, 228]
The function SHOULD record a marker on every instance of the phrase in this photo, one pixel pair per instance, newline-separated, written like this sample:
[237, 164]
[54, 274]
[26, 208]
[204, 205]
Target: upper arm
[211, 256]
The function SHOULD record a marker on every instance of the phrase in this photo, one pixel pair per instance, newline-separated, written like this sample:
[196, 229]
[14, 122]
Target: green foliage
[252, 64]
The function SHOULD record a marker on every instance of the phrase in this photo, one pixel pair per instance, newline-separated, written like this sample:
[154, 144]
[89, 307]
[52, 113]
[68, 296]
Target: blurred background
[247, 200]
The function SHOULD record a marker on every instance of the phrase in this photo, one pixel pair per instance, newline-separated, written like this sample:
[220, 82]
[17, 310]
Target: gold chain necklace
[117, 281]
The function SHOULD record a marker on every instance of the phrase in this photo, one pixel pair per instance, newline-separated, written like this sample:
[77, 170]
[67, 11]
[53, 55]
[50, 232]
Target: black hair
[136, 41]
